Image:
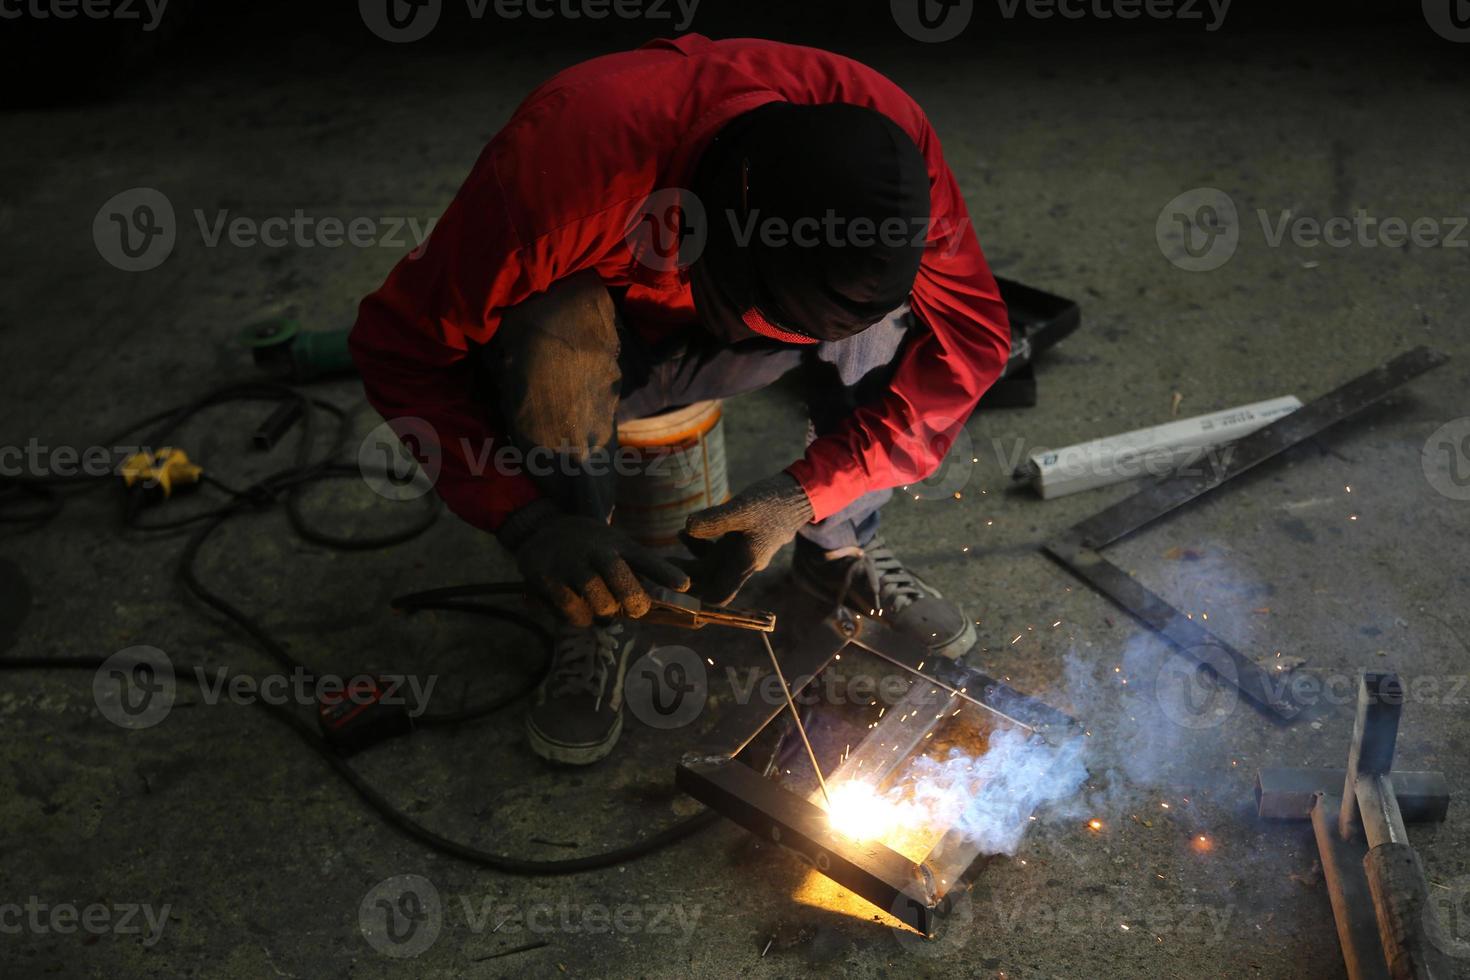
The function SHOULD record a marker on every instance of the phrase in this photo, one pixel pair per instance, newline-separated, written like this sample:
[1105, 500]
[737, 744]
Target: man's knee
[554, 363]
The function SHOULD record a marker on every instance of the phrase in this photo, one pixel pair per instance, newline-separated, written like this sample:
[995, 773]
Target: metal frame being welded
[1079, 549]
[716, 777]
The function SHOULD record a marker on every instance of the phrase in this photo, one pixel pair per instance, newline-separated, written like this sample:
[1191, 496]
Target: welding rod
[796, 715]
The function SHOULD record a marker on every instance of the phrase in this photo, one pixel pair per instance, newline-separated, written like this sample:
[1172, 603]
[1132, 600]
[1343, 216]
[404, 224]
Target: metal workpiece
[1172, 492]
[1290, 794]
[765, 808]
[1079, 549]
[913, 891]
[739, 725]
[1348, 891]
[1380, 896]
[1378, 810]
[1186, 635]
[972, 685]
[899, 732]
[1375, 736]
[1409, 930]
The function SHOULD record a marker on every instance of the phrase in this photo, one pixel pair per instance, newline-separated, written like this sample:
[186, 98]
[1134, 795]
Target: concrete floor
[1067, 153]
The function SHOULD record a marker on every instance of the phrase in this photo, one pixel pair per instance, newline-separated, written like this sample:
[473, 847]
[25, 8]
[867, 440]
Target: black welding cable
[289, 482]
[381, 804]
[398, 819]
[13, 491]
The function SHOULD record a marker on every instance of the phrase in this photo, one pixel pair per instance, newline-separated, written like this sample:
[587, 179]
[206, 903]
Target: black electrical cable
[402, 821]
[288, 484]
[13, 491]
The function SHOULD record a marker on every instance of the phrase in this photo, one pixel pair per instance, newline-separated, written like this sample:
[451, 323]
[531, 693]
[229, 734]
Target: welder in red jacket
[691, 220]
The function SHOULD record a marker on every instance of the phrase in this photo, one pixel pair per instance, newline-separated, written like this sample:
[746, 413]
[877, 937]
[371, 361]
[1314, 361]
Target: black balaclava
[817, 218]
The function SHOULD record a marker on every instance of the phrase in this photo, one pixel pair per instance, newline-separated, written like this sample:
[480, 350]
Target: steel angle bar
[1079, 549]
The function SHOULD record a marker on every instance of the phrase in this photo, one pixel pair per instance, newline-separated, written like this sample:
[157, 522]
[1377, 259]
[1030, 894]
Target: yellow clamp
[168, 469]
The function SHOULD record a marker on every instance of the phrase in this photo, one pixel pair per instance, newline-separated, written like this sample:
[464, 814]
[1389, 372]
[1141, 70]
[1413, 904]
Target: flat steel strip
[1168, 493]
[1188, 636]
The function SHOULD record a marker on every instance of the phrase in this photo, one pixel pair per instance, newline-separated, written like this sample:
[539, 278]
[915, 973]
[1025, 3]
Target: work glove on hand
[583, 567]
[746, 532]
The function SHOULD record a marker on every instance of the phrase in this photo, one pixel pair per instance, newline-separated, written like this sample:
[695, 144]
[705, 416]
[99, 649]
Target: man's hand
[586, 569]
[746, 532]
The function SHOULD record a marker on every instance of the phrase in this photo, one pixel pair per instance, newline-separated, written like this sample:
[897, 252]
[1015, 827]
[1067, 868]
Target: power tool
[280, 346]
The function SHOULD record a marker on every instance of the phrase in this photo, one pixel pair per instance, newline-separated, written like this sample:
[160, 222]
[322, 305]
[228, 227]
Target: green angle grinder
[280, 346]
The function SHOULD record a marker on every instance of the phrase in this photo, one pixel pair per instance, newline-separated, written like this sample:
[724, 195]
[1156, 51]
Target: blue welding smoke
[991, 797]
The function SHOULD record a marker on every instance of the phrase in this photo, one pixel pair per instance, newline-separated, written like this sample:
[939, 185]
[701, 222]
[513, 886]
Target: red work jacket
[552, 195]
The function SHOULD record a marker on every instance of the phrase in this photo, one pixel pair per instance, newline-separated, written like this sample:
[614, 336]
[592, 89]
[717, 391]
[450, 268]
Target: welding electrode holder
[667, 607]
[672, 608]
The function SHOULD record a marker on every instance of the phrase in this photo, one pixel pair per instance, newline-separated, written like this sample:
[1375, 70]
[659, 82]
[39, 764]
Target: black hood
[817, 218]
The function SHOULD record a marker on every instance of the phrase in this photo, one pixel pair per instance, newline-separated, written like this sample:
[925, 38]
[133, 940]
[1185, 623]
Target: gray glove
[583, 567]
[746, 532]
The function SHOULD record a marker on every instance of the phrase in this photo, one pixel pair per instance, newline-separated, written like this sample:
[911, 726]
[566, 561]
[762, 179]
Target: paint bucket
[669, 466]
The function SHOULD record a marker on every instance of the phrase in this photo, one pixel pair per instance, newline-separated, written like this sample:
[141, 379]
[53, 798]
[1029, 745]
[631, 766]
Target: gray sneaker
[577, 716]
[873, 581]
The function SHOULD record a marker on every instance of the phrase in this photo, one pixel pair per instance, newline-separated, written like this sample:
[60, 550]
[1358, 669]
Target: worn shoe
[874, 582]
[577, 716]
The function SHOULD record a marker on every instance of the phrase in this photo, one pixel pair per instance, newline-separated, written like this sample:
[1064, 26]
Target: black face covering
[817, 220]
